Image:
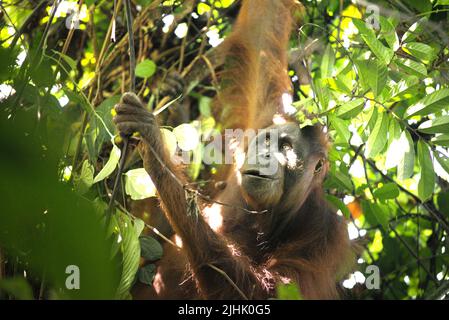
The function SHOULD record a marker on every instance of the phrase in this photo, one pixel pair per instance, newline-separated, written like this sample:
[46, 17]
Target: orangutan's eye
[319, 166]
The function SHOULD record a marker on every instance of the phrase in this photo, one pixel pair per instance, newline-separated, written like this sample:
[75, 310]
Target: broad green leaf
[387, 191]
[170, 141]
[351, 109]
[328, 62]
[426, 184]
[322, 92]
[110, 165]
[375, 214]
[146, 274]
[187, 137]
[407, 156]
[383, 53]
[138, 184]
[86, 178]
[441, 140]
[151, 249]
[393, 156]
[434, 102]
[412, 67]
[17, 287]
[341, 126]
[338, 204]
[130, 250]
[421, 51]
[373, 75]
[378, 78]
[378, 137]
[389, 33]
[139, 225]
[415, 30]
[437, 125]
[442, 160]
[145, 69]
[343, 180]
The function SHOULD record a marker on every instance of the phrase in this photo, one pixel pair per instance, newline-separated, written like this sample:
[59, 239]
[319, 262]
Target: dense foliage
[375, 73]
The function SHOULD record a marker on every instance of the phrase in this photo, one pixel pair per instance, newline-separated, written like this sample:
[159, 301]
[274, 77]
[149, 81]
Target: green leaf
[378, 78]
[343, 180]
[130, 249]
[441, 140]
[431, 103]
[288, 292]
[437, 125]
[341, 126]
[138, 184]
[383, 53]
[328, 62]
[393, 157]
[375, 214]
[378, 137]
[415, 30]
[110, 165]
[146, 274]
[387, 191]
[321, 89]
[407, 156]
[17, 287]
[412, 67]
[151, 249]
[426, 184]
[145, 69]
[421, 51]
[442, 160]
[170, 141]
[187, 136]
[86, 178]
[139, 225]
[351, 109]
[389, 33]
[338, 204]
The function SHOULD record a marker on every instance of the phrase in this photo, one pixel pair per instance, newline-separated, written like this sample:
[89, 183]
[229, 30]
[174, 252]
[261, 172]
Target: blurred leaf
[145, 69]
[421, 51]
[146, 274]
[387, 191]
[407, 156]
[288, 292]
[351, 109]
[151, 249]
[341, 126]
[138, 184]
[415, 30]
[170, 141]
[110, 165]
[389, 33]
[441, 140]
[437, 125]
[130, 249]
[17, 287]
[433, 102]
[375, 214]
[187, 136]
[383, 53]
[339, 205]
[426, 183]
[328, 62]
[86, 178]
[378, 137]
[412, 67]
